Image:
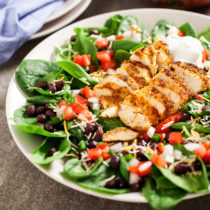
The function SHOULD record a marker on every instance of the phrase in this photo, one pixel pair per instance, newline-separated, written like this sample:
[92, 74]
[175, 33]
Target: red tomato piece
[181, 33]
[109, 65]
[62, 103]
[200, 151]
[175, 117]
[144, 168]
[102, 146]
[145, 135]
[87, 92]
[160, 147]
[106, 155]
[83, 60]
[206, 157]
[94, 153]
[206, 54]
[206, 144]
[134, 169]
[78, 108]
[103, 56]
[85, 115]
[175, 138]
[118, 37]
[158, 160]
[81, 100]
[68, 113]
[102, 42]
[199, 98]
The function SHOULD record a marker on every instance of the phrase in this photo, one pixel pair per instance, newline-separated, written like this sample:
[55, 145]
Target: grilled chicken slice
[194, 77]
[147, 56]
[120, 134]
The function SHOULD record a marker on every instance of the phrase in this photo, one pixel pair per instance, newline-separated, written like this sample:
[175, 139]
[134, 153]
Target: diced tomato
[161, 138]
[158, 160]
[199, 98]
[103, 56]
[83, 60]
[102, 146]
[118, 37]
[160, 147]
[175, 117]
[78, 108]
[206, 54]
[81, 100]
[206, 144]
[144, 168]
[92, 69]
[134, 169]
[175, 138]
[87, 92]
[109, 65]
[133, 27]
[94, 153]
[145, 135]
[181, 33]
[200, 151]
[101, 42]
[206, 157]
[68, 113]
[106, 155]
[85, 114]
[62, 103]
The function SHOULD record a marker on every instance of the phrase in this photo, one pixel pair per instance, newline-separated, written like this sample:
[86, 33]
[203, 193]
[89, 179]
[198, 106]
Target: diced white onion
[151, 132]
[133, 162]
[75, 92]
[117, 147]
[191, 146]
[59, 111]
[145, 166]
[167, 125]
[110, 38]
[168, 153]
[133, 178]
[95, 103]
[177, 155]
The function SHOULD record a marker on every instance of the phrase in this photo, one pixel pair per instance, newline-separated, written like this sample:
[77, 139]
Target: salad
[100, 150]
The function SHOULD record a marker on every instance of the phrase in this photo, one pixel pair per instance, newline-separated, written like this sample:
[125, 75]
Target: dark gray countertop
[22, 186]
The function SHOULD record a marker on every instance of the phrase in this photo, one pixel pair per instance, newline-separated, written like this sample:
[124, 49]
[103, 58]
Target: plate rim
[73, 185]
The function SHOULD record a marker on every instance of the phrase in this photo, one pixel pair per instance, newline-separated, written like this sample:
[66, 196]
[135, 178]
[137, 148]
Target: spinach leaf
[40, 154]
[44, 99]
[54, 75]
[121, 55]
[110, 123]
[123, 44]
[55, 120]
[137, 46]
[30, 72]
[84, 45]
[63, 53]
[104, 31]
[160, 198]
[21, 118]
[161, 29]
[74, 170]
[77, 72]
[113, 23]
[124, 168]
[205, 33]
[188, 29]
[35, 129]
[126, 23]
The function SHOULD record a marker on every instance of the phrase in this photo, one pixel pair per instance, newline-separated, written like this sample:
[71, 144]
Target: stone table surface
[22, 186]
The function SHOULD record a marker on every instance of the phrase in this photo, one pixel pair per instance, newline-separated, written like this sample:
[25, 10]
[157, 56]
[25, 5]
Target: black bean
[135, 187]
[93, 31]
[141, 181]
[48, 127]
[50, 113]
[41, 118]
[124, 152]
[47, 106]
[31, 110]
[205, 69]
[111, 184]
[196, 165]
[181, 168]
[42, 85]
[92, 144]
[73, 38]
[90, 127]
[185, 117]
[140, 142]
[98, 135]
[153, 146]
[41, 125]
[52, 88]
[114, 162]
[204, 108]
[59, 84]
[121, 182]
[140, 155]
[167, 136]
[51, 152]
[40, 110]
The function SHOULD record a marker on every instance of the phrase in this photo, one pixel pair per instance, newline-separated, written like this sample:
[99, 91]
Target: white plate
[62, 21]
[67, 6]
[15, 98]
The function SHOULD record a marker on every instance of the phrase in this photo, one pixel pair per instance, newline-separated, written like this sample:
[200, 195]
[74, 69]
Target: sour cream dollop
[185, 49]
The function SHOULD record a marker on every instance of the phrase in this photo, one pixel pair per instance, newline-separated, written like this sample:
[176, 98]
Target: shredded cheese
[65, 128]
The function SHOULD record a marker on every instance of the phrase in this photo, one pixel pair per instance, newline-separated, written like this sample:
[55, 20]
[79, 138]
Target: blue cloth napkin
[19, 20]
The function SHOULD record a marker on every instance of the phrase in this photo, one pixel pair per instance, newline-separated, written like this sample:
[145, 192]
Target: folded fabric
[19, 20]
